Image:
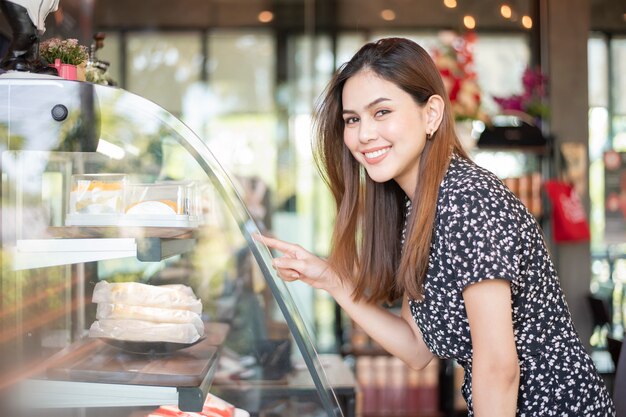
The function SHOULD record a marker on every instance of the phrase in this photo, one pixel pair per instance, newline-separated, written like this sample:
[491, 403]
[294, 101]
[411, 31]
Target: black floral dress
[482, 231]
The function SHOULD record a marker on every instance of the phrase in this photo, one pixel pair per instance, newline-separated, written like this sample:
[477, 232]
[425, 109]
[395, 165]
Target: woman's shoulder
[469, 190]
[466, 178]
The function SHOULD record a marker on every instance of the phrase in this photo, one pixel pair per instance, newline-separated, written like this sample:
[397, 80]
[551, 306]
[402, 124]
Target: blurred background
[245, 76]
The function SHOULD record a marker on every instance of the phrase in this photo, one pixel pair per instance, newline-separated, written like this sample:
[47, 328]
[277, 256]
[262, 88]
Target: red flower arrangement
[455, 61]
[531, 100]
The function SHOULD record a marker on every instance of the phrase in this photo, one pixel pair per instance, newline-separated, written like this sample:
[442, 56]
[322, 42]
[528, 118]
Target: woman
[417, 219]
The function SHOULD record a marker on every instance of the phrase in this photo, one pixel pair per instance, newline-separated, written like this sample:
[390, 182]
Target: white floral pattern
[482, 231]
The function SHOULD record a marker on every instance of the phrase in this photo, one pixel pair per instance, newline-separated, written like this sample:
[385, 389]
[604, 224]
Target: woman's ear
[435, 107]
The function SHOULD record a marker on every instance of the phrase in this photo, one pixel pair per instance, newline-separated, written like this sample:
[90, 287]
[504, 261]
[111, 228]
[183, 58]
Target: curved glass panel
[100, 189]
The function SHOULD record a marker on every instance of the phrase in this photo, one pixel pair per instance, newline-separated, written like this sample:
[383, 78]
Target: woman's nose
[367, 131]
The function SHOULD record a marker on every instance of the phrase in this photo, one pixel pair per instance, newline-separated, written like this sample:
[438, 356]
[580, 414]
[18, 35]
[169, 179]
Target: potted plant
[65, 55]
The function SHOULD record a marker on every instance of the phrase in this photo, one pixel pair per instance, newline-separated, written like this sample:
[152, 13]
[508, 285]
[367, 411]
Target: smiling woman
[396, 98]
[417, 220]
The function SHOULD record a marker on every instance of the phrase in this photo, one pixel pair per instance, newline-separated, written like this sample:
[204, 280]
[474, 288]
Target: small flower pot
[67, 71]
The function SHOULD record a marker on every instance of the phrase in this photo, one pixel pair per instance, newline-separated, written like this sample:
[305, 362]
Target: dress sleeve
[483, 235]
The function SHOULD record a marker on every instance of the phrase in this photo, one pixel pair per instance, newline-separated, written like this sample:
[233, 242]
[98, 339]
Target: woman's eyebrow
[369, 106]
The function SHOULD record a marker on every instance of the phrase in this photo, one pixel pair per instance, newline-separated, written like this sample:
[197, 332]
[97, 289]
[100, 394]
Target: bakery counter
[295, 383]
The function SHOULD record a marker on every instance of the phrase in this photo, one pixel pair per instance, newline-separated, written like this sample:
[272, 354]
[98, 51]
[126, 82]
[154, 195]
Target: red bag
[569, 220]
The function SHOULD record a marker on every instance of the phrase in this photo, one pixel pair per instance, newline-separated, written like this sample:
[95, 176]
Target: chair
[614, 347]
[599, 311]
[619, 391]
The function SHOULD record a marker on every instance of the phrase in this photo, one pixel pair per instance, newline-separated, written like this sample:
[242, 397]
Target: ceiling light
[450, 4]
[505, 11]
[469, 22]
[265, 16]
[527, 22]
[388, 15]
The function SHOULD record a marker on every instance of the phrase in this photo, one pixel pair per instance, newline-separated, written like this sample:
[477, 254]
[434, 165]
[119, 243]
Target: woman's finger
[294, 264]
[288, 274]
[277, 244]
[287, 248]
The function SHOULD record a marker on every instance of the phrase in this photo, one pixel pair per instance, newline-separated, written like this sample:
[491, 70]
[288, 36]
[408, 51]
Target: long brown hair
[366, 246]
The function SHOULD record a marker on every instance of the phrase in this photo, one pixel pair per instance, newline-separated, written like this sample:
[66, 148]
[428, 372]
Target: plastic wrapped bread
[179, 297]
[152, 314]
[144, 331]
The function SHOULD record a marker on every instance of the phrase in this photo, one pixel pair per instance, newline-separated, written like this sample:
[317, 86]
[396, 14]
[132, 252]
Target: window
[607, 131]
[170, 60]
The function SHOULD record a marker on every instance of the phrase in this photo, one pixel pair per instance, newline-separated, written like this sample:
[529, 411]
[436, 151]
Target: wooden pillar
[565, 28]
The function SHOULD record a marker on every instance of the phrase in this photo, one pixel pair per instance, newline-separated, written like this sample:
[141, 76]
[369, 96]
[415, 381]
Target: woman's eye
[351, 120]
[382, 112]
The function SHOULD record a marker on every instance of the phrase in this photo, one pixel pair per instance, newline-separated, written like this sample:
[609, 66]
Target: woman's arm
[399, 335]
[495, 367]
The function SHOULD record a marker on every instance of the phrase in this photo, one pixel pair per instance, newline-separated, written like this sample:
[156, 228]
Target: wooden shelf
[92, 373]
[537, 150]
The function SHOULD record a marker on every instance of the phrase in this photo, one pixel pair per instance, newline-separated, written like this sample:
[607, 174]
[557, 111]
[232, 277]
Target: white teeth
[376, 153]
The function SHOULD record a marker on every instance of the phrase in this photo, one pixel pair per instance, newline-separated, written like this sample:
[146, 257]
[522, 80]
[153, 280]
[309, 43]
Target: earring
[429, 135]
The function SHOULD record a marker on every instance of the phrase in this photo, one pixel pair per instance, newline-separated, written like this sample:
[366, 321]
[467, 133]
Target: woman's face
[384, 129]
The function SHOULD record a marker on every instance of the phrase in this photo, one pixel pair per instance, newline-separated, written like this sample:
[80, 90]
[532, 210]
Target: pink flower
[531, 100]
[68, 51]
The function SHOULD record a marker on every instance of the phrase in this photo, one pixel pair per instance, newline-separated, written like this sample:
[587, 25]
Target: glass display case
[131, 284]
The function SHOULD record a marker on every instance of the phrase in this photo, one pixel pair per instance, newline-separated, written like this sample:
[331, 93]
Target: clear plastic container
[111, 200]
[165, 198]
[97, 194]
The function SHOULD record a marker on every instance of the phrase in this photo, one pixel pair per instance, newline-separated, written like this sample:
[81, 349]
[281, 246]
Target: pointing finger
[296, 265]
[288, 274]
[277, 244]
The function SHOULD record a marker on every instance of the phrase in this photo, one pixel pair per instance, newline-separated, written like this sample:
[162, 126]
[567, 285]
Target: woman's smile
[375, 155]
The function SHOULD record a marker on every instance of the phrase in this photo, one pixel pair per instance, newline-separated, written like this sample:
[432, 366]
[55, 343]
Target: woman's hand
[398, 335]
[299, 264]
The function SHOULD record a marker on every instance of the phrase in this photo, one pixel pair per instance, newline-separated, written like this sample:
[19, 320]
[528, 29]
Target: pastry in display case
[132, 313]
[131, 284]
[110, 200]
[97, 194]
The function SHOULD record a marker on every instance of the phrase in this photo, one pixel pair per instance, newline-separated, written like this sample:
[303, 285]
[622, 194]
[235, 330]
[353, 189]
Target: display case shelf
[73, 394]
[71, 245]
[68, 394]
[92, 373]
[39, 253]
